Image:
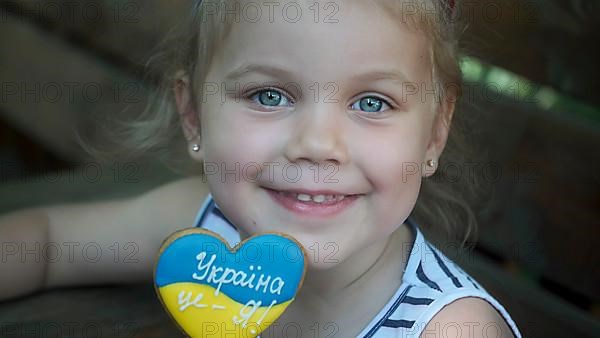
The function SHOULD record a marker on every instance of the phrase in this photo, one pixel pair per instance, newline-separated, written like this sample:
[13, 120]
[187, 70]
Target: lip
[312, 209]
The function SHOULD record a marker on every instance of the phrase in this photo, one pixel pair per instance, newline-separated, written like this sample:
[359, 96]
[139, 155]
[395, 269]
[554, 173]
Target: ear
[439, 133]
[188, 114]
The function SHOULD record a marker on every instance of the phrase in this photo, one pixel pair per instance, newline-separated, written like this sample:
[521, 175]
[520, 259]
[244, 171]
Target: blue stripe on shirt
[423, 278]
[445, 268]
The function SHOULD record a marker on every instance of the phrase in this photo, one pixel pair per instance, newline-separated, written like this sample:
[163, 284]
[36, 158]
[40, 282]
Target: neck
[369, 279]
[359, 268]
[354, 281]
[345, 277]
[348, 275]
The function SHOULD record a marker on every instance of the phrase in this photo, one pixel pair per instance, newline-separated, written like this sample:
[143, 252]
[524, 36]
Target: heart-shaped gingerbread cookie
[211, 290]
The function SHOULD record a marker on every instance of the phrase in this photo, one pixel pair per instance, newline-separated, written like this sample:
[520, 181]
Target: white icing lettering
[211, 278]
[237, 281]
[266, 311]
[200, 257]
[280, 283]
[246, 312]
[249, 282]
[183, 299]
[224, 279]
[263, 283]
[224, 276]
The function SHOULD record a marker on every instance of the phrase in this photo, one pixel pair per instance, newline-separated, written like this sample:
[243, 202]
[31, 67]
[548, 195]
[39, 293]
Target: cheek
[236, 142]
[392, 158]
[393, 166]
[228, 138]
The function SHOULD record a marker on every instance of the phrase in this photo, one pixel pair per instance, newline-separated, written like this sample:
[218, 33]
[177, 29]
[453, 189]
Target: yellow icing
[209, 322]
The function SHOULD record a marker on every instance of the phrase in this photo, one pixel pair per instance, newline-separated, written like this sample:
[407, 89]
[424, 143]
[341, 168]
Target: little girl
[324, 121]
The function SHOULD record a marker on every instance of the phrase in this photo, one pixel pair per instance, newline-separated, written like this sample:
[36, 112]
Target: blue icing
[277, 256]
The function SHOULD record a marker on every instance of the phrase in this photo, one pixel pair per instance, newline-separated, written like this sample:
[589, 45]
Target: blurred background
[532, 72]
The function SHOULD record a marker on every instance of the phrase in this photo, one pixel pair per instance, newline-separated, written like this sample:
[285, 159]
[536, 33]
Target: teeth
[316, 198]
[319, 198]
[303, 197]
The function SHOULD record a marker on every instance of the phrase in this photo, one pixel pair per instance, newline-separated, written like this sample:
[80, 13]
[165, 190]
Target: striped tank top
[430, 281]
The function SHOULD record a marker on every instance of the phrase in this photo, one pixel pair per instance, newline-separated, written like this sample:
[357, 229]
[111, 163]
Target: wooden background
[537, 251]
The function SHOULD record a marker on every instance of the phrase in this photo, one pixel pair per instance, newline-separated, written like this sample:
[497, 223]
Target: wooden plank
[91, 181]
[544, 196]
[135, 311]
[49, 88]
[20, 157]
[536, 312]
[558, 207]
[552, 42]
[124, 311]
[128, 29]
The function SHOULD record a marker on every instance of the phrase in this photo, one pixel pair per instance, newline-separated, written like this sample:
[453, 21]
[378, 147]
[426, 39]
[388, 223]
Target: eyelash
[285, 94]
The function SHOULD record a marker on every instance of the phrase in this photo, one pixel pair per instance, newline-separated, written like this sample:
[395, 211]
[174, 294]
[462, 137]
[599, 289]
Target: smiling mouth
[319, 198]
[324, 196]
[319, 204]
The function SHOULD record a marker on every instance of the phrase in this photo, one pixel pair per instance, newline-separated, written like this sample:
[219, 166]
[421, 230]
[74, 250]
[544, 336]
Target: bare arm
[21, 231]
[103, 242]
[469, 314]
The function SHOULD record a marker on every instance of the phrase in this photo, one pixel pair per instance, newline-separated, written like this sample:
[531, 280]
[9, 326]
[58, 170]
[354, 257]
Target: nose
[318, 137]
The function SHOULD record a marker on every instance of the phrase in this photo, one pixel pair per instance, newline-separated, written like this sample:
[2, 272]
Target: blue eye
[269, 97]
[370, 104]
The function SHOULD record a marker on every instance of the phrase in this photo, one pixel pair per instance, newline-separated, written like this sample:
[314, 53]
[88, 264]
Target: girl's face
[349, 110]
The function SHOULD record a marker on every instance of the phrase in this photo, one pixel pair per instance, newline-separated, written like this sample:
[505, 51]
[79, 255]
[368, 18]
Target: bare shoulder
[177, 200]
[472, 315]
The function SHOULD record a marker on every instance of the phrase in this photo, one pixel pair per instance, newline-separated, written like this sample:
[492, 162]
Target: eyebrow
[248, 68]
[376, 75]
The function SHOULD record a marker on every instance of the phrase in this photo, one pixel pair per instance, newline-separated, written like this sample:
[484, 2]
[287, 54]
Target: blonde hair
[443, 201]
